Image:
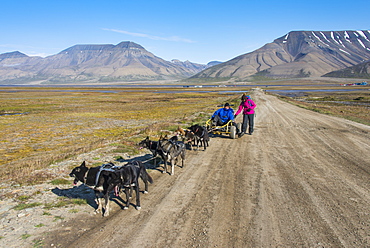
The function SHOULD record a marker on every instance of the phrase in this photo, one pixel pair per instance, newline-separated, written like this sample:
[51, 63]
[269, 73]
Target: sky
[199, 31]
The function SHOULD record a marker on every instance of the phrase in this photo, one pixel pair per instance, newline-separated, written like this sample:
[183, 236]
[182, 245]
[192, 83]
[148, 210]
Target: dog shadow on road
[86, 193]
[78, 192]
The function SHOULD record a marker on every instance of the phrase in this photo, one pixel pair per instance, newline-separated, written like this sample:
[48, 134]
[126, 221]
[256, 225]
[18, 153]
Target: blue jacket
[225, 114]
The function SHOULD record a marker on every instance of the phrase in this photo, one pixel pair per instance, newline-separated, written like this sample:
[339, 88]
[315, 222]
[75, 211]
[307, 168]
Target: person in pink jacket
[247, 105]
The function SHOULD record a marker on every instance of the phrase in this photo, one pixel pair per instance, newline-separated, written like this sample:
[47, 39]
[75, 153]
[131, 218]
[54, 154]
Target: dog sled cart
[228, 129]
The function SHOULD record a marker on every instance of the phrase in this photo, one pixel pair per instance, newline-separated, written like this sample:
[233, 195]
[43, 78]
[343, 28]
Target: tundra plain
[301, 180]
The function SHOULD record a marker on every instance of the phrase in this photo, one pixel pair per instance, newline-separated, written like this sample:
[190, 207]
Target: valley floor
[301, 180]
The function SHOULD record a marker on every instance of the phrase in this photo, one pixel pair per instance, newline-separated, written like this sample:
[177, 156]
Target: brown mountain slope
[361, 70]
[298, 54]
[11, 65]
[124, 61]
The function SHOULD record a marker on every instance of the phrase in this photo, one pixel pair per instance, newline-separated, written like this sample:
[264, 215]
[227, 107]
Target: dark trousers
[248, 120]
[217, 121]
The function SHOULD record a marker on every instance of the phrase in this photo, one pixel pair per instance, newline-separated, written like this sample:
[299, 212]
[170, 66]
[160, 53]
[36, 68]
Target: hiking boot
[241, 134]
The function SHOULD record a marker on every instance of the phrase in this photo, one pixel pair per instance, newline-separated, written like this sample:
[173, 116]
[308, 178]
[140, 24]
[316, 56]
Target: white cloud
[152, 37]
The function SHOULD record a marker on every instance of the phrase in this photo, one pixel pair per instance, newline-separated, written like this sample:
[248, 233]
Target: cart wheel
[233, 132]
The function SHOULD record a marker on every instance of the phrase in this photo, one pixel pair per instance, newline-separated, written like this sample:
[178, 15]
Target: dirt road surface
[301, 180]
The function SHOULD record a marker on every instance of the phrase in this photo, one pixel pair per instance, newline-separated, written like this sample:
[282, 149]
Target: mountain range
[297, 54]
[294, 55]
[126, 61]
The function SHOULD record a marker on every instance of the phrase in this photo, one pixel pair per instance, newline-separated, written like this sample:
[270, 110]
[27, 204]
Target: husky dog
[202, 135]
[152, 146]
[188, 137]
[130, 174]
[102, 179]
[170, 150]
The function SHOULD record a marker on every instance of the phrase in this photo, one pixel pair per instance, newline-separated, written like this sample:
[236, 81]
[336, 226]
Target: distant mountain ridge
[213, 63]
[297, 54]
[361, 70]
[12, 55]
[191, 66]
[194, 66]
[11, 64]
[126, 61]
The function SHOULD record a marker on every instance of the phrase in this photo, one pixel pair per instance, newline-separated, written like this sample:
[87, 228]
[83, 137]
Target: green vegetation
[38, 243]
[25, 236]
[22, 206]
[58, 204]
[78, 201]
[64, 201]
[118, 157]
[126, 148]
[23, 197]
[40, 225]
[60, 181]
[56, 218]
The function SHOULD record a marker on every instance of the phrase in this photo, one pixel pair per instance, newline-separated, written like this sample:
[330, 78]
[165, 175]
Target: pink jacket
[248, 106]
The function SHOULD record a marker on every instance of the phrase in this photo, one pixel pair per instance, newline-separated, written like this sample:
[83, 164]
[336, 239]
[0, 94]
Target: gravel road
[301, 180]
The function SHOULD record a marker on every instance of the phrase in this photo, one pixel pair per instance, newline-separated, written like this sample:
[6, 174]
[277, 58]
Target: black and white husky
[170, 150]
[102, 179]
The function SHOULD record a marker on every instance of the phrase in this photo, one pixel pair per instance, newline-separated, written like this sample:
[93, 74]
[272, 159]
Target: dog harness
[105, 167]
[85, 176]
[201, 136]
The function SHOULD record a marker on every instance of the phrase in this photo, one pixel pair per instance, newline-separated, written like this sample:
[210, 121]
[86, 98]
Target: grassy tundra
[353, 106]
[40, 126]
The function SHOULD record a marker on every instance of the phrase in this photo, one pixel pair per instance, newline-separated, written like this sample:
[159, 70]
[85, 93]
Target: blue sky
[199, 31]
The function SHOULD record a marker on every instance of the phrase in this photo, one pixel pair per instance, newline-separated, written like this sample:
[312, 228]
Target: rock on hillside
[298, 54]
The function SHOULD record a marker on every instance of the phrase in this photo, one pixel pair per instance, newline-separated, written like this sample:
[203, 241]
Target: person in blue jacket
[221, 116]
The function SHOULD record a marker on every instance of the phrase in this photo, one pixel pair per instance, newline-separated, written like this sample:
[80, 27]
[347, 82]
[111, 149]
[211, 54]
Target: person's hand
[235, 116]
